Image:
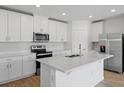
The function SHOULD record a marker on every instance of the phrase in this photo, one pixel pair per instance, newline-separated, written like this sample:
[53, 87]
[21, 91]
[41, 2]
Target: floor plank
[112, 79]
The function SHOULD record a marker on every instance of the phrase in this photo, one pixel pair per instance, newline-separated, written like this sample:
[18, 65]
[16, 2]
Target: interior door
[3, 72]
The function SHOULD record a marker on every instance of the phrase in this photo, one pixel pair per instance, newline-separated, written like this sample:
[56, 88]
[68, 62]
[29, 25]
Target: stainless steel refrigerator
[113, 44]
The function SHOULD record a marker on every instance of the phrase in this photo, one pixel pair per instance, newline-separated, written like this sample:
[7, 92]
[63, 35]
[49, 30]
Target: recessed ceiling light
[90, 16]
[37, 5]
[113, 10]
[63, 14]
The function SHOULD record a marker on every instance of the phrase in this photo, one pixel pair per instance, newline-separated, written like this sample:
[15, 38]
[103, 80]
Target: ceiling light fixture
[37, 5]
[113, 10]
[63, 14]
[90, 16]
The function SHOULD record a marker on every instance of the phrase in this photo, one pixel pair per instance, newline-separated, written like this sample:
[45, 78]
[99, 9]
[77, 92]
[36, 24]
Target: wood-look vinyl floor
[33, 81]
[112, 79]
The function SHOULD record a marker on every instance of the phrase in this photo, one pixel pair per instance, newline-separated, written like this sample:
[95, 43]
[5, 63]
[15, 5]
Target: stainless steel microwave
[40, 37]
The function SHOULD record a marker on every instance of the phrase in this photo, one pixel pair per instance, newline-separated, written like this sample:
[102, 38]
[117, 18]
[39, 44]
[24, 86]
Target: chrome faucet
[80, 49]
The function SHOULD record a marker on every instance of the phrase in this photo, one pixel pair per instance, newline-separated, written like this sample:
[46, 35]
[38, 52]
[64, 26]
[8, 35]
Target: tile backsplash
[21, 46]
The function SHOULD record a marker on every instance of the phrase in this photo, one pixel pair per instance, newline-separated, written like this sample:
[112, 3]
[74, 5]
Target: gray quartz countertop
[66, 64]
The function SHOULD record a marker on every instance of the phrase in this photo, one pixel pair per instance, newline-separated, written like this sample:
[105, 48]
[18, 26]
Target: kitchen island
[80, 71]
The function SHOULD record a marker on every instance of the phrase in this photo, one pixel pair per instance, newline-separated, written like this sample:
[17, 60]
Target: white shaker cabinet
[52, 31]
[57, 31]
[96, 29]
[15, 68]
[40, 24]
[29, 64]
[4, 72]
[13, 27]
[26, 28]
[61, 31]
[64, 32]
[3, 25]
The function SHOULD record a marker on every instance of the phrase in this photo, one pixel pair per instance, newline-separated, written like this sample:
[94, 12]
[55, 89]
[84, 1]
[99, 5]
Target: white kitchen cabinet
[29, 64]
[10, 68]
[13, 27]
[64, 32]
[57, 31]
[4, 72]
[52, 31]
[15, 68]
[61, 31]
[3, 25]
[26, 28]
[96, 29]
[40, 24]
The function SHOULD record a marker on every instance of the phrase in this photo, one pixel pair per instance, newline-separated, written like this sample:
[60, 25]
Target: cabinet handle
[10, 65]
[7, 66]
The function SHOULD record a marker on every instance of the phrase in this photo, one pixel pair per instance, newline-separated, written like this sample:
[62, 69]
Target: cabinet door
[29, 65]
[3, 26]
[96, 30]
[44, 24]
[64, 32]
[15, 69]
[26, 28]
[59, 31]
[14, 26]
[52, 30]
[3, 72]
[40, 24]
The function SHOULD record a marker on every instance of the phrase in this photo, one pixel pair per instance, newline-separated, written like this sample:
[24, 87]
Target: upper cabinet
[40, 24]
[13, 27]
[96, 29]
[57, 31]
[52, 31]
[26, 28]
[3, 25]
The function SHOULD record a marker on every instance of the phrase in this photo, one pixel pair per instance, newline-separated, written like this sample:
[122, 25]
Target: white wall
[114, 24]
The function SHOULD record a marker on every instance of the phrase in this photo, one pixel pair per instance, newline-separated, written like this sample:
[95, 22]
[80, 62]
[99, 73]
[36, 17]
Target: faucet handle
[79, 46]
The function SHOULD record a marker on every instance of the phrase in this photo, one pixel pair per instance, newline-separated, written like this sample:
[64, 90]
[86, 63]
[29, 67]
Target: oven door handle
[43, 54]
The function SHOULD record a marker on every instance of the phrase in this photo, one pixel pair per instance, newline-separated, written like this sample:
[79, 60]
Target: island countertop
[66, 64]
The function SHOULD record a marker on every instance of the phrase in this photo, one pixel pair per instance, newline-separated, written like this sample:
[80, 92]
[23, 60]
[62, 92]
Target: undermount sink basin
[75, 55]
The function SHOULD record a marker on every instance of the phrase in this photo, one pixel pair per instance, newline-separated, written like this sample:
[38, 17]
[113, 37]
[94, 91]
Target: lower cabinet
[14, 68]
[29, 65]
[4, 72]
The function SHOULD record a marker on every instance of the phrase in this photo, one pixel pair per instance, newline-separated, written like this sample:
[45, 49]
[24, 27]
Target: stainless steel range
[41, 52]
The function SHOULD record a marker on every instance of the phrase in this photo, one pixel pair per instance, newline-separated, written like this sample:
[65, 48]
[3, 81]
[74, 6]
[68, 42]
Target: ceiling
[73, 12]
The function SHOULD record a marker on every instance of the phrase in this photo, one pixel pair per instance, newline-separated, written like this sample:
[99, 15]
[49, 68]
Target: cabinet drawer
[10, 59]
[29, 57]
